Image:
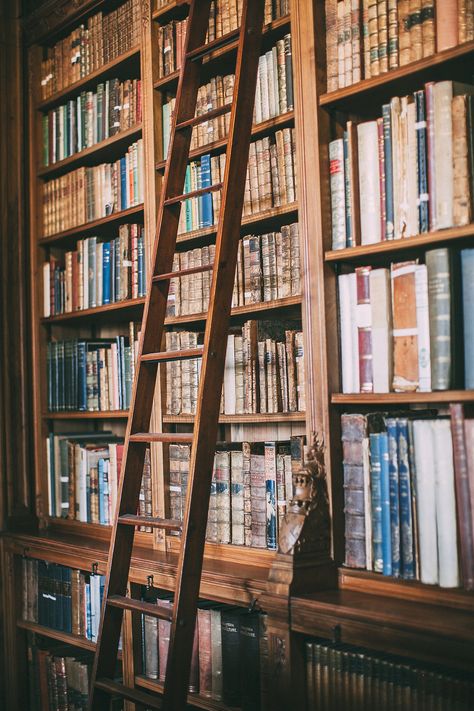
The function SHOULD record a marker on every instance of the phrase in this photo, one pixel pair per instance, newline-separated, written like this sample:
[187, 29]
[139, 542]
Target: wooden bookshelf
[250, 419]
[110, 220]
[73, 639]
[403, 398]
[194, 700]
[79, 415]
[106, 311]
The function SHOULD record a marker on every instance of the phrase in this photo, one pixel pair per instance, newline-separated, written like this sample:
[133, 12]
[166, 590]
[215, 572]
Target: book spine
[393, 471]
[376, 502]
[338, 207]
[467, 270]
[353, 433]
[387, 147]
[385, 504]
[405, 331]
[463, 496]
[439, 296]
[364, 328]
[405, 497]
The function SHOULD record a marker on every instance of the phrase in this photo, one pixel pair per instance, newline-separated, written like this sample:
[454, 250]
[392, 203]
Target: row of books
[61, 598]
[56, 680]
[268, 268]
[337, 674]
[83, 472]
[274, 96]
[365, 38]
[90, 46]
[228, 659]
[90, 118]
[264, 371]
[408, 172]
[224, 17]
[96, 273]
[91, 375]
[87, 194]
[409, 327]
[408, 487]
[251, 487]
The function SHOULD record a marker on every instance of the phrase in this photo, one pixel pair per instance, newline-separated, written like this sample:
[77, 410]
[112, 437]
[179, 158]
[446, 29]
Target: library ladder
[182, 615]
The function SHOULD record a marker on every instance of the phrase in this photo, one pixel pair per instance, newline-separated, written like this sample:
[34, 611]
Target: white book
[276, 90]
[46, 290]
[445, 504]
[354, 333]
[338, 201]
[81, 482]
[367, 504]
[95, 606]
[113, 480]
[258, 98]
[263, 77]
[412, 173]
[229, 377]
[443, 157]
[423, 328]
[48, 469]
[85, 274]
[346, 332]
[271, 85]
[426, 500]
[381, 315]
[395, 110]
[369, 184]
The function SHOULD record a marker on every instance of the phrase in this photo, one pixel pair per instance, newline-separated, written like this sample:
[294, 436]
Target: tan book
[461, 183]
[366, 39]
[331, 46]
[447, 34]
[428, 29]
[341, 68]
[405, 327]
[253, 177]
[300, 371]
[373, 38]
[416, 35]
[382, 32]
[347, 42]
[275, 175]
[404, 32]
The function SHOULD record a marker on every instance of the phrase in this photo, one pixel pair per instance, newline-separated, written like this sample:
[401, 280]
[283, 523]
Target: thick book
[381, 322]
[250, 661]
[405, 333]
[463, 495]
[394, 485]
[439, 267]
[354, 433]
[376, 501]
[231, 656]
[369, 184]
[405, 484]
[467, 271]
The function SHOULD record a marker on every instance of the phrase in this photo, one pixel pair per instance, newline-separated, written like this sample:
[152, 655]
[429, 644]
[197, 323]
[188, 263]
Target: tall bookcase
[306, 592]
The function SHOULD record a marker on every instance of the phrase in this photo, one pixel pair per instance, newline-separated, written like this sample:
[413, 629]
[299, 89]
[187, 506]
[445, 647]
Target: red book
[364, 329]
[205, 658]
[463, 496]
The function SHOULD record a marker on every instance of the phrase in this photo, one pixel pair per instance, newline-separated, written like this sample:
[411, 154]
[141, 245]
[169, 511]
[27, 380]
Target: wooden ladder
[203, 439]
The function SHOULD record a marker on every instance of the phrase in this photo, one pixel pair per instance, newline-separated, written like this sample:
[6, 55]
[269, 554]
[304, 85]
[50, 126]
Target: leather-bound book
[405, 339]
[250, 661]
[231, 657]
[462, 213]
[463, 496]
[164, 628]
[205, 649]
[331, 45]
[467, 267]
[354, 432]
[446, 24]
[216, 653]
[364, 327]
[440, 310]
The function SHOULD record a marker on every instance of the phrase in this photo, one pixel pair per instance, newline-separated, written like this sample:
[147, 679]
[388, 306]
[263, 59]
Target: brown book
[416, 33]
[469, 438]
[404, 32]
[463, 495]
[428, 29]
[205, 651]
[331, 45]
[446, 24]
[405, 331]
[461, 187]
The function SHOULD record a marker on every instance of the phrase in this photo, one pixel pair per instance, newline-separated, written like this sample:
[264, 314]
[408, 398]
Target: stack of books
[268, 268]
[90, 46]
[228, 652]
[274, 96]
[408, 486]
[90, 118]
[409, 171]
[251, 487]
[264, 371]
[336, 673]
[87, 194]
[408, 328]
[96, 273]
[365, 38]
[92, 375]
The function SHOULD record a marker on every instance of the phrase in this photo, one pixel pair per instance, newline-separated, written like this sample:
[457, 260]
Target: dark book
[231, 657]
[250, 661]
[463, 496]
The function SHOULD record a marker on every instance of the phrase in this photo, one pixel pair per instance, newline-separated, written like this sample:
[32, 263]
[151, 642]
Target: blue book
[385, 501]
[422, 162]
[376, 502]
[87, 596]
[406, 509]
[347, 191]
[81, 375]
[393, 475]
[106, 270]
[467, 269]
[206, 200]
[387, 151]
[92, 271]
[123, 184]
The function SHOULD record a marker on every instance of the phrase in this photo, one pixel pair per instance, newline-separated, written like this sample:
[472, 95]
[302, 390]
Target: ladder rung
[140, 697]
[168, 356]
[183, 272]
[167, 524]
[202, 118]
[212, 46]
[193, 194]
[166, 437]
[148, 608]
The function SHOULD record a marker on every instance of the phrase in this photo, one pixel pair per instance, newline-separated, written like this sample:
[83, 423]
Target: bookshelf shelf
[123, 62]
[125, 215]
[103, 151]
[258, 129]
[423, 241]
[259, 218]
[247, 310]
[195, 700]
[251, 418]
[407, 77]
[72, 639]
[169, 9]
[117, 308]
[170, 80]
[402, 398]
[77, 415]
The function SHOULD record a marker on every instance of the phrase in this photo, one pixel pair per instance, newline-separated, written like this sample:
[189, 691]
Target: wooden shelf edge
[163, 83]
[66, 637]
[399, 245]
[86, 415]
[257, 129]
[247, 309]
[402, 398]
[169, 7]
[95, 150]
[366, 85]
[56, 98]
[94, 224]
[196, 700]
[85, 313]
[244, 418]
[247, 221]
